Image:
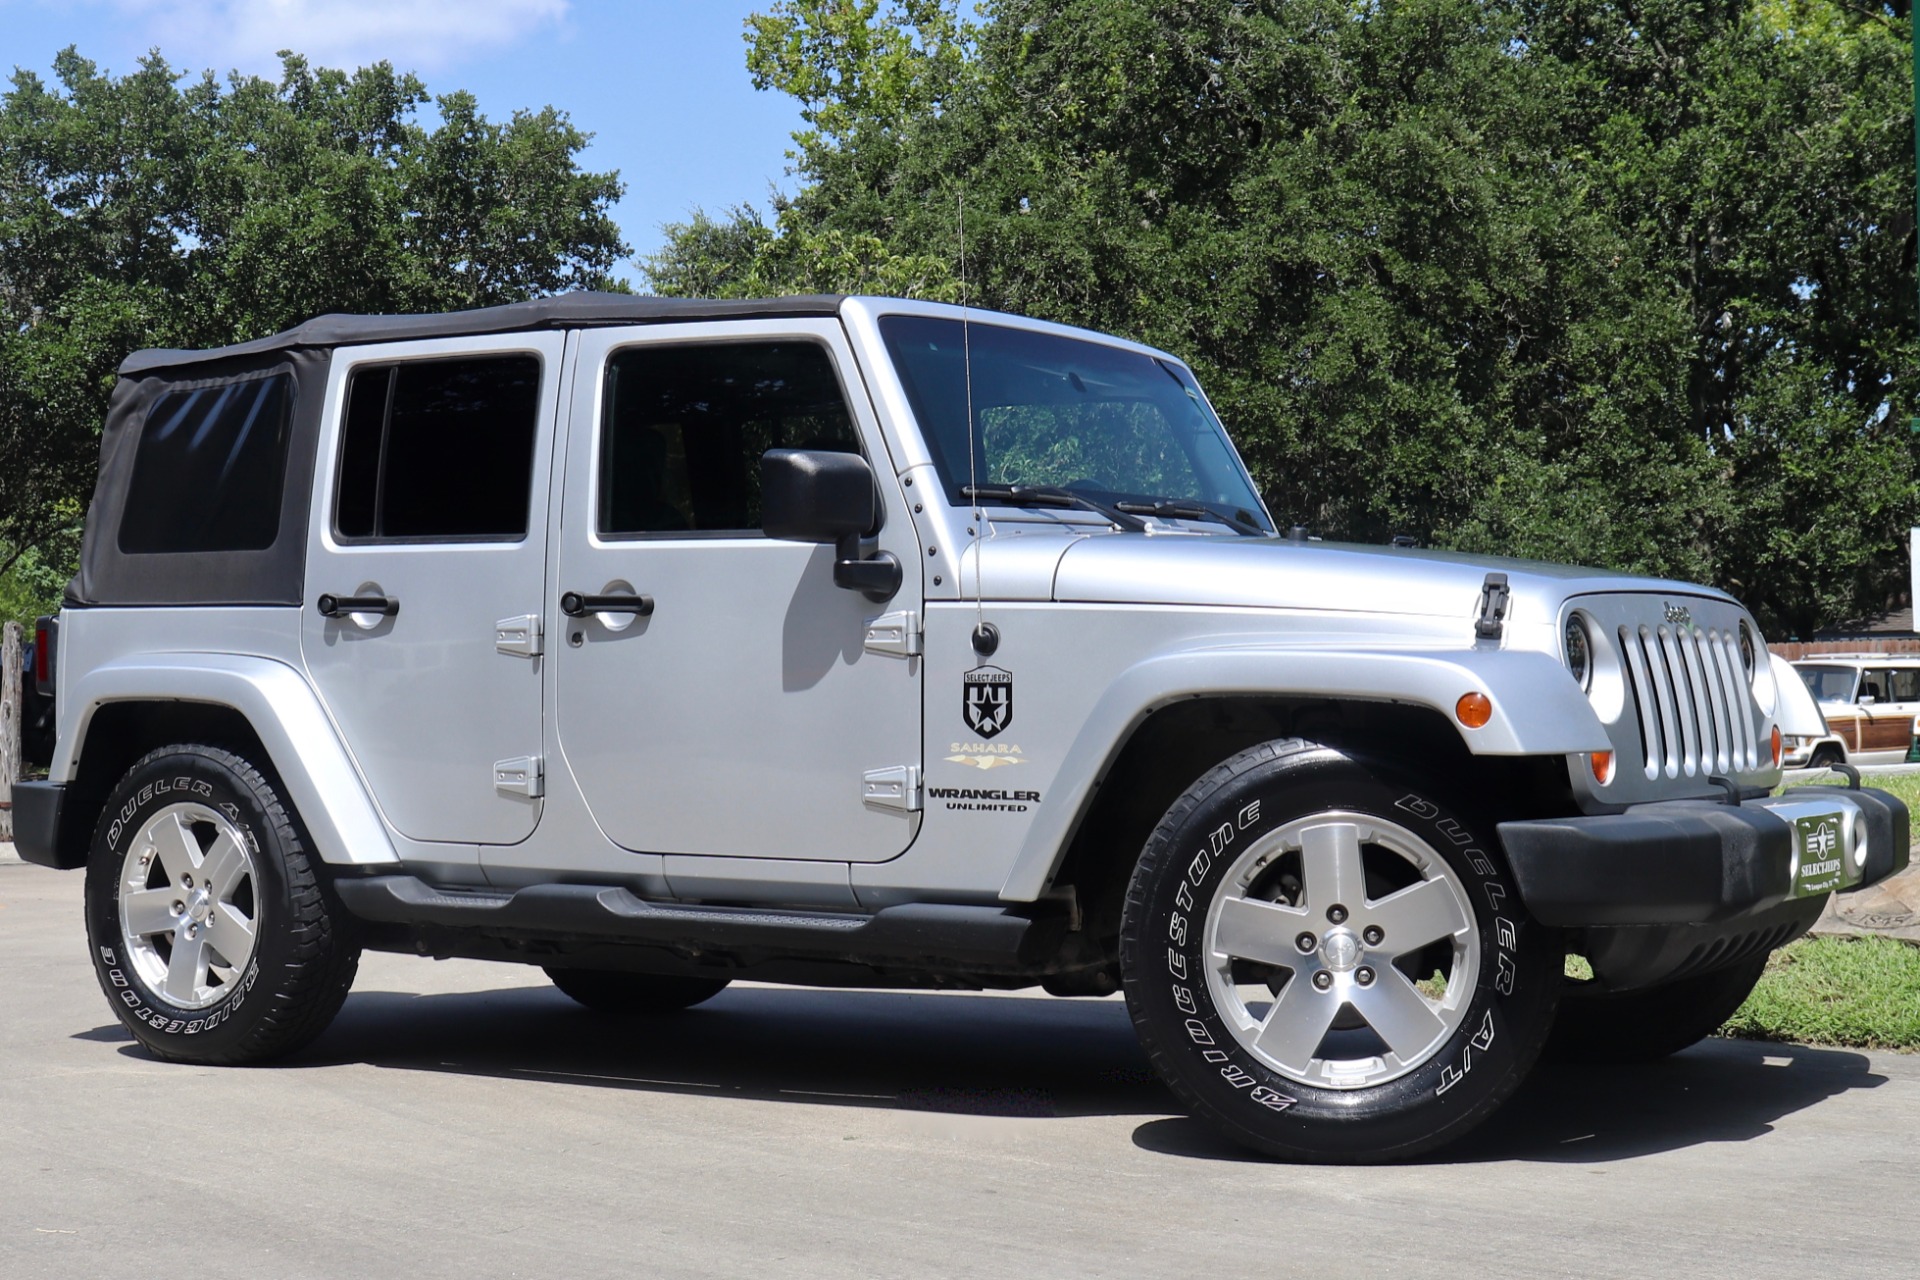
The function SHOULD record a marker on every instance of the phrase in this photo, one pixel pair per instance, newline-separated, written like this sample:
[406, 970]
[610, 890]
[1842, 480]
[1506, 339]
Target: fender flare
[306, 752]
[1538, 710]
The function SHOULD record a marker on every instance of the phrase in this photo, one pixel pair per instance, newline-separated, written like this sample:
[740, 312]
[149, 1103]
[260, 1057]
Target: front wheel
[211, 934]
[1326, 963]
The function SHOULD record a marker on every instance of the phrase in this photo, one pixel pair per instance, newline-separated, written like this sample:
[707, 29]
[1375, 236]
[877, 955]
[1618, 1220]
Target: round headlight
[1746, 647]
[1579, 651]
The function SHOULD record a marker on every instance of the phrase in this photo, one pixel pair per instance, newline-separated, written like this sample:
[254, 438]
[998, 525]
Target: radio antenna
[986, 638]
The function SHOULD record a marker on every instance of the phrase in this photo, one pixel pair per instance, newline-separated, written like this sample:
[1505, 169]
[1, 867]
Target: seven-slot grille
[1690, 688]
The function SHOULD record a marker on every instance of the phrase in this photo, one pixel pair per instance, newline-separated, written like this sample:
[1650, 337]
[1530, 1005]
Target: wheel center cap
[1340, 951]
[200, 908]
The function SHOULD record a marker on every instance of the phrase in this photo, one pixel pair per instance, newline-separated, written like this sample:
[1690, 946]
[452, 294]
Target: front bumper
[1699, 862]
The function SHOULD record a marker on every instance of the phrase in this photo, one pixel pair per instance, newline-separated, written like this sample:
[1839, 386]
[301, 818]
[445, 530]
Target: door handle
[332, 606]
[576, 605]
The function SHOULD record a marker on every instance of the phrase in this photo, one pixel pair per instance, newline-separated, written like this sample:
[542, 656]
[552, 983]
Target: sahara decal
[985, 755]
[987, 700]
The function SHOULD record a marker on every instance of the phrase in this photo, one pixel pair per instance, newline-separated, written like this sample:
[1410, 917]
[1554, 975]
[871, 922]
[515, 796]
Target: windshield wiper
[1023, 495]
[1187, 509]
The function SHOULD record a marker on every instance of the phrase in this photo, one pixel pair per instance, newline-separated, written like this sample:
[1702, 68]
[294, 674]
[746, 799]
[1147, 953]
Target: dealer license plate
[1820, 864]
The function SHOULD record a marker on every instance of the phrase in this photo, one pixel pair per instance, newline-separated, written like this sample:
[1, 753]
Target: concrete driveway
[465, 1120]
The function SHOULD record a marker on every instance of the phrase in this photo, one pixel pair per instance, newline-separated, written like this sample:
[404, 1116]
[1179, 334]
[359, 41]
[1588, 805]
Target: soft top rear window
[208, 473]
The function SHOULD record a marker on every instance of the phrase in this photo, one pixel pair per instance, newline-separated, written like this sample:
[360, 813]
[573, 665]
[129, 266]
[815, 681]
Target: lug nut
[179, 908]
[1323, 980]
[186, 882]
[1306, 942]
[1363, 976]
[1337, 914]
[1374, 935]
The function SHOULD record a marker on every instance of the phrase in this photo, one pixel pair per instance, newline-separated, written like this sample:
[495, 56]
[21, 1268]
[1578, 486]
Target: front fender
[1538, 710]
[276, 700]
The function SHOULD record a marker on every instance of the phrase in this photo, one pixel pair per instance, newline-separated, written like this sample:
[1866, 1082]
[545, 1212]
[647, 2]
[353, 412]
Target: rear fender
[300, 741]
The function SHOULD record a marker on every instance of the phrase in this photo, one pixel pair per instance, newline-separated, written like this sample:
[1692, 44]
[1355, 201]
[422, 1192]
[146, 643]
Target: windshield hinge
[1493, 607]
[897, 635]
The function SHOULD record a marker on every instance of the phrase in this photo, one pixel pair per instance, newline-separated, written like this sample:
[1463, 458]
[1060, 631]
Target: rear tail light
[46, 635]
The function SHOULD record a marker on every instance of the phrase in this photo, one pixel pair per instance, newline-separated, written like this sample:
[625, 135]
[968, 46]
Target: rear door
[431, 501]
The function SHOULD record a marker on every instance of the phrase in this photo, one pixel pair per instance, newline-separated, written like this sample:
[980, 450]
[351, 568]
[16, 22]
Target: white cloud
[415, 35]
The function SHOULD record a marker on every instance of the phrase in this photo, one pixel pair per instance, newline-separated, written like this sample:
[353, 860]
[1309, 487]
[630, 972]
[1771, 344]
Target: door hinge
[896, 635]
[520, 637]
[520, 776]
[895, 788]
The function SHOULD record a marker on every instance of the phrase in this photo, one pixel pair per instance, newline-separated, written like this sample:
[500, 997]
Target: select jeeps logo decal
[985, 755]
[987, 700]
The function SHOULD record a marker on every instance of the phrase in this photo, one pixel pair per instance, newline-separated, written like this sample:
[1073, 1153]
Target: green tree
[1627, 283]
[154, 210]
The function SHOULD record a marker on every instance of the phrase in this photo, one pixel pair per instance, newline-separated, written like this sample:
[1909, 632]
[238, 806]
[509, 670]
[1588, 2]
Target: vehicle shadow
[1717, 1091]
[1008, 1056]
[1027, 1057]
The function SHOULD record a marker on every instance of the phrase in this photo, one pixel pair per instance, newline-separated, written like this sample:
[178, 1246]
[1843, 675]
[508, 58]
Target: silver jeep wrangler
[852, 641]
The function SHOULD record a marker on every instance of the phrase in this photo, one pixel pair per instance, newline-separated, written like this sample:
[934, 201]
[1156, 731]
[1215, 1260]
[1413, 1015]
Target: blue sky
[662, 85]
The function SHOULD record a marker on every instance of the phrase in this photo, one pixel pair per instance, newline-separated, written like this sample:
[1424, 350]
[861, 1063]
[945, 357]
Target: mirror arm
[877, 576]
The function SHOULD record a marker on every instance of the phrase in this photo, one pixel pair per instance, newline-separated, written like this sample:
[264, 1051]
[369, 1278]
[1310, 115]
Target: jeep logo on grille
[1679, 615]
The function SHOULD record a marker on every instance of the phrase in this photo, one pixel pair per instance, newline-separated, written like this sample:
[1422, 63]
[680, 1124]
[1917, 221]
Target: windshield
[1829, 684]
[1052, 411]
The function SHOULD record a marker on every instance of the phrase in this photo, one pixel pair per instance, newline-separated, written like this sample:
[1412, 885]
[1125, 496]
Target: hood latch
[1493, 607]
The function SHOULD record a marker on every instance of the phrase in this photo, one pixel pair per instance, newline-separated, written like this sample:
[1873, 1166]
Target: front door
[741, 715]
[429, 523]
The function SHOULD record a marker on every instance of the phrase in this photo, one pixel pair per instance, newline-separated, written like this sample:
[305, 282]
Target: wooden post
[9, 724]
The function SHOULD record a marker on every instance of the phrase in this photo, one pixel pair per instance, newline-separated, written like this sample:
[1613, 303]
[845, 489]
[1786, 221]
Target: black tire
[1480, 1044]
[634, 994]
[304, 950]
[1650, 1024]
[1826, 757]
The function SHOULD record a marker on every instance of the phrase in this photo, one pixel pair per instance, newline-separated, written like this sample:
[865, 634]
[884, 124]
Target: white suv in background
[1869, 701]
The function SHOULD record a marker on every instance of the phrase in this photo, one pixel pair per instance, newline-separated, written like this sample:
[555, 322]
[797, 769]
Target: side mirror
[814, 495]
[1867, 699]
[810, 495]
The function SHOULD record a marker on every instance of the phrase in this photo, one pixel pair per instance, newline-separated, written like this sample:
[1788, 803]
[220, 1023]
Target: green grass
[1862, 993]
[1906, 786]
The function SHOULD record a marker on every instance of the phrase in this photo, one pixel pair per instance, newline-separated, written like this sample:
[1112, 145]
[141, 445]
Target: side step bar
[987, 938]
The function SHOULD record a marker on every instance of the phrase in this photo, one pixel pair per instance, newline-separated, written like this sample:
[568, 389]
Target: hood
[1236, 572]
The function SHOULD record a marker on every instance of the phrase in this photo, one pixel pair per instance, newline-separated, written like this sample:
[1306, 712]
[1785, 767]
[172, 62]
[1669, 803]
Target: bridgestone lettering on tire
[210, 933]
[1327, 961]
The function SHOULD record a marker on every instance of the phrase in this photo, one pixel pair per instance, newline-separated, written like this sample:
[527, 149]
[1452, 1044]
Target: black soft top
[299, 360]
[564, 311]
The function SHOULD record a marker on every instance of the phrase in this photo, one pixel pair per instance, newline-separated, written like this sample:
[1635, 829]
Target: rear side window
[209, 470]
[1904, 684]
[684, 429]
[439, 450]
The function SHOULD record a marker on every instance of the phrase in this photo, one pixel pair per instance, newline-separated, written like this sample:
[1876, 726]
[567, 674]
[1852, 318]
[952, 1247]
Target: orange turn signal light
[1601, 762]
[1776, 746]
[1473, 710]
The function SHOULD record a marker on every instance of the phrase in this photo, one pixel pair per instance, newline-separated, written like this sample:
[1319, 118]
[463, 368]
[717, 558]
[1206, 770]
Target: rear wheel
[1327, 963]
[631, 994]
[1650, 1024]
[212, 936]
[1826, 757]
